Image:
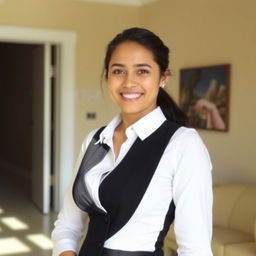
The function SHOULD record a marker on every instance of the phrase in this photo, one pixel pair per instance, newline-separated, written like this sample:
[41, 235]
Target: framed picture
[204, 96]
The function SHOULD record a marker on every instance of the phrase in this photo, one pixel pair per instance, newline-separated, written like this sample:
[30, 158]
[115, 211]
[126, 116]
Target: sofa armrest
[170, 241]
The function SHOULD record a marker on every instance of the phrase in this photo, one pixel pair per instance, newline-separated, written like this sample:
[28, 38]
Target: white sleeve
[70, 224]
[192, 194]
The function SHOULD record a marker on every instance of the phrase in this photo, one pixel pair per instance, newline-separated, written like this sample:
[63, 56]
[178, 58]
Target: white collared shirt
[183, 175]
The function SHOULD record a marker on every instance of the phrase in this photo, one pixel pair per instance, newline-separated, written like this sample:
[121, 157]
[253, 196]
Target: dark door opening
[17, 85]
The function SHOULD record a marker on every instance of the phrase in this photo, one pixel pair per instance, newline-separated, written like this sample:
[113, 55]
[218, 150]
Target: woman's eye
[118, 71]
[143, 71]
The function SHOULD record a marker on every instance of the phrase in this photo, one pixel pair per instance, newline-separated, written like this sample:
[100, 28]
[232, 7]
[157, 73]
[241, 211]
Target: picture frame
[204, 96]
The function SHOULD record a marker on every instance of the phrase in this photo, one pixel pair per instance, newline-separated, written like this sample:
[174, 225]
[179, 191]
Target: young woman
[145, 167]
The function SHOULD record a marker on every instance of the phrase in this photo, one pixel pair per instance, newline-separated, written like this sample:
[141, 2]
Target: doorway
[64, 125]
[27, 131]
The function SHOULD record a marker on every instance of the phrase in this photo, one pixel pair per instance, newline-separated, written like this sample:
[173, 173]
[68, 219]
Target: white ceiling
[122, 2]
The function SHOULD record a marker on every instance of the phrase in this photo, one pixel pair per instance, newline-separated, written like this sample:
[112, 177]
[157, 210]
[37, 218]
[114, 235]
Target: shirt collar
[143, 127]
[107, 134]
[149, 123]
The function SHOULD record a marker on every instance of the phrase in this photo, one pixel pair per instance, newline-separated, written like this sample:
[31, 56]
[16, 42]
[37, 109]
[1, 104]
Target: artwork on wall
[204, 96]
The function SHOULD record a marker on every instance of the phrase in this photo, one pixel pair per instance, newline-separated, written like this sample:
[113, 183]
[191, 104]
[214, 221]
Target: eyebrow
[135, 65]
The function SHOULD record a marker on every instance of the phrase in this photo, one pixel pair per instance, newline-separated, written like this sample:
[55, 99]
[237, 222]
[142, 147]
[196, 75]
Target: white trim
[66, 133]
[122, 2]
[47, 129]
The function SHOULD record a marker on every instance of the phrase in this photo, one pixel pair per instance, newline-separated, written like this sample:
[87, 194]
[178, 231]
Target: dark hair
[160, 52]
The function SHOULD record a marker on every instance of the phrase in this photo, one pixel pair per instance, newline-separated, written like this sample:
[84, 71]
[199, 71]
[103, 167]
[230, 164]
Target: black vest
[122, 190]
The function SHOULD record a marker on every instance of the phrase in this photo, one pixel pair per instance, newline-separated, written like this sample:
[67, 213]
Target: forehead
[132, 52]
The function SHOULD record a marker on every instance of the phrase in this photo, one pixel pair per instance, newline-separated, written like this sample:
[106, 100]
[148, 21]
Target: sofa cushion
[225, 198]
[244, 211]
[224, 236]
[170, 240]
[243, 249]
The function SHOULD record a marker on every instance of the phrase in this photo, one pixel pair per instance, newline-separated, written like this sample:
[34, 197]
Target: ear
[165, 78]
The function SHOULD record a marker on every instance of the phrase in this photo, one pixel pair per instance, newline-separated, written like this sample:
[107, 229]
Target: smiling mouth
[131, 96]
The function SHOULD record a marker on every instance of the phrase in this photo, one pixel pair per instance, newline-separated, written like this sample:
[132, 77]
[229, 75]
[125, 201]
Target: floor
[24, 231]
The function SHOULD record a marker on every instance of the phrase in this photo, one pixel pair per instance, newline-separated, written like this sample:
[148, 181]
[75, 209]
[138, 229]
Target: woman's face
[134, 79]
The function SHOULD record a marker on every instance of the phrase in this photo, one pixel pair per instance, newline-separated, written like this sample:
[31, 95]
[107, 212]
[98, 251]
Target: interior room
[199, 33]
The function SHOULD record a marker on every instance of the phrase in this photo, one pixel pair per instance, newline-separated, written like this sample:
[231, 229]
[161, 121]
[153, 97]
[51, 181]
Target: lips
[131, 96]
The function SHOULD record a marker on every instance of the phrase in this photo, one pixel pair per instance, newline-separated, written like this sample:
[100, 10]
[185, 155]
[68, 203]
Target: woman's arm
[192, 195]
[69, 228]
[71, 222]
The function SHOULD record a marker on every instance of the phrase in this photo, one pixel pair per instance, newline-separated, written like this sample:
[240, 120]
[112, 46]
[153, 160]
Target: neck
[128, 120]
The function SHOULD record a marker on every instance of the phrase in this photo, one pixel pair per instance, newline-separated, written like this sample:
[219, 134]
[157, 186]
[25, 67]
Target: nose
[129, 81]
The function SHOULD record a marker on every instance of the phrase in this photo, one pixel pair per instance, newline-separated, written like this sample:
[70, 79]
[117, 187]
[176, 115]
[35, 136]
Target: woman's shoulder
[186, 143]
[187, 132]
[187, 137]
[88, 138]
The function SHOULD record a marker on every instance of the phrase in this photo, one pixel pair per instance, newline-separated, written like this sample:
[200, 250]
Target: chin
[134, 112]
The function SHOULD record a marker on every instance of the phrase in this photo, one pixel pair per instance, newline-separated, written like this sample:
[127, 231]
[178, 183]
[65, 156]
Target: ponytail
[170, 109]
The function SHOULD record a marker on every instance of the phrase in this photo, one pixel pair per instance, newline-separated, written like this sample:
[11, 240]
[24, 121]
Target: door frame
[65, 119]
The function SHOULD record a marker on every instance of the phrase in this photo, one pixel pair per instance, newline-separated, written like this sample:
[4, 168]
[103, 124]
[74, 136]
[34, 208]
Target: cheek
[153, 80]
[112, 81]
[152, 85]
[110, 84]
[112, 89]
[153, 91]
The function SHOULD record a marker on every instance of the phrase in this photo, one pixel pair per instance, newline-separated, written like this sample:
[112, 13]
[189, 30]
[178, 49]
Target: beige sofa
[234, 222]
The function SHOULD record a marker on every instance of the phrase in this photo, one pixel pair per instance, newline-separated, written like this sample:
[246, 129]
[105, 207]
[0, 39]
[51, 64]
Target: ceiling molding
[122, 2]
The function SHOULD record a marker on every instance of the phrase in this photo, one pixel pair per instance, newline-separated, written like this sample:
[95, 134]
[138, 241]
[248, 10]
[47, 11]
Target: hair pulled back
[160, 52]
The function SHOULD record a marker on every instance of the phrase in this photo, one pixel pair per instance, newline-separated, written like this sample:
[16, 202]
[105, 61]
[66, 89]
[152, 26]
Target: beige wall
[198, 32]
[203, 33]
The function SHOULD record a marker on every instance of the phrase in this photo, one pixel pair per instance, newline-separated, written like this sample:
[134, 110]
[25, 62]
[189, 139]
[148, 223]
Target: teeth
[131, 95]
